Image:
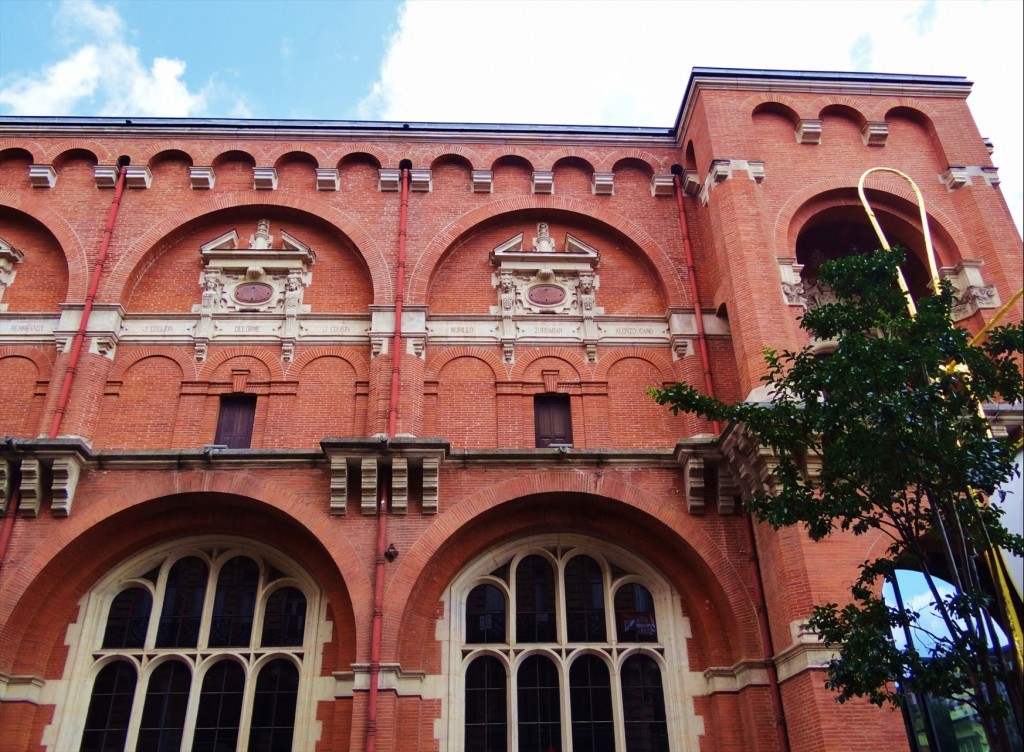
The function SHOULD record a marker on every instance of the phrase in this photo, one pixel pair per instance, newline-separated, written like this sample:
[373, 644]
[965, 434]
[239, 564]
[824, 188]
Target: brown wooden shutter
[234, 424]
[553, 419]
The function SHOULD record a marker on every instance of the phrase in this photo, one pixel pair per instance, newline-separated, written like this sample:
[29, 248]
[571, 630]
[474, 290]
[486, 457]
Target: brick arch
[846, 105]
[113, 287]
[551, 159]
[383, 158]
[882, 108]
[430, 156]
[612, 356]
[439, 360]
[633, 163]
[100, 536]
[433, 254]
[101, 153]
[262, 354]
[350, 355]
[527, 358]
[10, 150]
[168, 154]
[179, 355]
[292, 153]
[68, 240]
[227, 152]
[42, 359]
[525, 154]
[788, 223]
[717, 601]
[653, 161]
[790, 106]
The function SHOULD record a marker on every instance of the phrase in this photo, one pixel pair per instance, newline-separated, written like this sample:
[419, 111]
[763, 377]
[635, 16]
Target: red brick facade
[131, 478]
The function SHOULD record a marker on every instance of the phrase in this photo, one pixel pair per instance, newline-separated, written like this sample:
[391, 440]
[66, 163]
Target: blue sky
[583, 62]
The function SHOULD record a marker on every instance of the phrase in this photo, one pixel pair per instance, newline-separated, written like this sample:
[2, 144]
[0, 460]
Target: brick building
[207, 400]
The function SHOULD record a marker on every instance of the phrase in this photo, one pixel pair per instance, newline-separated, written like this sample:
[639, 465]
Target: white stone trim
[603, 184]
[875, 133]
[264, 178]
[327, 178]
[138, 176]
[202, 178]
[105, 175]
[42, 176]
[483, 181]
[421, 180]
[662, 184]
[808, 131]
[959, 176]
[543, 181]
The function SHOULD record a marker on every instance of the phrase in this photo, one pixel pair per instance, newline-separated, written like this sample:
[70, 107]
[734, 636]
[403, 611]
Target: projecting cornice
[815, 82]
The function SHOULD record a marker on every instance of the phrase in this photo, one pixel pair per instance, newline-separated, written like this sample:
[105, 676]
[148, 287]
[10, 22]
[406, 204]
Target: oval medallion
[253, 292]
[545, 295]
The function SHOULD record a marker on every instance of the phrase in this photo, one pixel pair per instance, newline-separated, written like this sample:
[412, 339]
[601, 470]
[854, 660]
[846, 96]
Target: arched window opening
[539, 696]
[169, 636]
[128, 619]
[485, 615]
[273, 709]
[284, 620]
[590, 698]
[183, 604]
[486, 706]
[163, 716]
[106, 723]
[845, 231]
[643, 706]
[234, 603]
[634, 614]
[535, 596]
[589, 687]
[584, 600]
[220, 708]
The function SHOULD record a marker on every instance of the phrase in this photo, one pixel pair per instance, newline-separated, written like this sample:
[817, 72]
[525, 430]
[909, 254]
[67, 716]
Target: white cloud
[105, 76]
[627, 64]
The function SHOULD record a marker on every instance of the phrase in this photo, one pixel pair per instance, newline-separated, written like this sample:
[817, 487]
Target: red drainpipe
[382, 509]
[76, 352]
[760, 604]
[90, 299]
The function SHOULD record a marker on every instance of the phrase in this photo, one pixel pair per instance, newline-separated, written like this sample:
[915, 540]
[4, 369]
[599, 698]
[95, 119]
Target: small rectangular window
[553, 420]
[235, 421]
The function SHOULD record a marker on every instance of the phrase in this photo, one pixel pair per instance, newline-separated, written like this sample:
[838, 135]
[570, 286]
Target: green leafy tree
[891, 418]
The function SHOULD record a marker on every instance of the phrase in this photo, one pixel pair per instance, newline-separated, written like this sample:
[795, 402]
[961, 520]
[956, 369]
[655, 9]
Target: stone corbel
[691, 182]
[543, 181]
[663, 184]
[368, 497]
[31, 487]
[431, 480]
[388, 179]
[970, 291]
[693, 475]
[264, 178]
[875, 133]
[808, 131]
[201, 348]
[42, 176]
[792, 284]
[138, 176]
[728, 490]
[400, 485]
[6, 480]
[105, 345]
[483, 181]
[66, 470]
[202, 178]
[603, 184]
[105, 175]
[9, 256]
[420, 180]
[327, 179]
[508, 350]
[339, 485]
